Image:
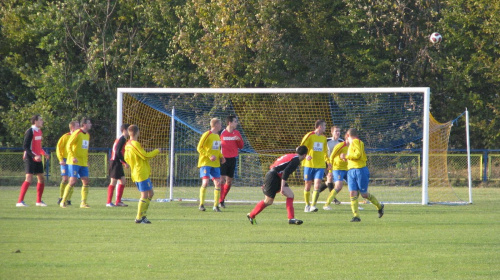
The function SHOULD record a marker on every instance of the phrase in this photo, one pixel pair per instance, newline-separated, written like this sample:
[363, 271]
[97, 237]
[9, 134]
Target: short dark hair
[318, 123]
[84, 120]
[133, 129]
[301, 150]
[124, 127]
[34, 118]
[353, 132]
[230, 118]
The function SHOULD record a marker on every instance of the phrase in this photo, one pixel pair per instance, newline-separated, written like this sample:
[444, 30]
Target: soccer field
[409, 242]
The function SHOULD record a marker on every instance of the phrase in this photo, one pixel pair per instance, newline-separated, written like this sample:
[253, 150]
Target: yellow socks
[85, 192]
[67, 191]
[374, 201]
[330, 198]
[70, 194]
[354, 206]
[216, 197]
[315, 197]
[307, 197]
[203, 191]
[62, 188]
[141, 208]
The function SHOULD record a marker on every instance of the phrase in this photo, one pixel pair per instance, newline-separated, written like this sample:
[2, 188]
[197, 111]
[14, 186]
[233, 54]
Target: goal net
[406, 147]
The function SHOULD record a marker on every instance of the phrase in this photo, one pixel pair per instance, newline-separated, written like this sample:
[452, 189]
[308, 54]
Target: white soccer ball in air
[435, 38]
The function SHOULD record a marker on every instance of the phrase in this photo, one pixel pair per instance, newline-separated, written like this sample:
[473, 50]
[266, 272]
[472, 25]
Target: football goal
[406, 146]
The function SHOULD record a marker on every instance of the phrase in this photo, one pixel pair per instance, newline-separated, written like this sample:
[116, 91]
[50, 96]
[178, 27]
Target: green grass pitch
[409, 242]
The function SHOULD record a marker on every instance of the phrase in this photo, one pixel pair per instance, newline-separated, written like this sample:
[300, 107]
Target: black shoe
[252, 220]
[356, 219]
[295, 222]
[222, 204]
[381, 211]
[335, 200]
[59, 201]
[216, 209]
[202, 208]
[68, 203]
[144, 220]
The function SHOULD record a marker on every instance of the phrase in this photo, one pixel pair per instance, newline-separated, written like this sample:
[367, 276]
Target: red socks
[289, 208]
[119, 193]
[111, 188]
[225, 190]
[24, 189]
[39, 191]
[258, 208]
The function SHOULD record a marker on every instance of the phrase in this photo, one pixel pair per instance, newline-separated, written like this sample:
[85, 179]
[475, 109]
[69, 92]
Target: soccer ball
[435, 38]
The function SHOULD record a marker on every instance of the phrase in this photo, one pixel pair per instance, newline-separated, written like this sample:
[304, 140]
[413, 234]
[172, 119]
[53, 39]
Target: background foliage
[65, 59]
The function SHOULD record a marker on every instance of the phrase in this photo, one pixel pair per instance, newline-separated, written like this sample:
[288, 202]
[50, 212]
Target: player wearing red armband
[231, 141]
[275, 181]
[33, 164]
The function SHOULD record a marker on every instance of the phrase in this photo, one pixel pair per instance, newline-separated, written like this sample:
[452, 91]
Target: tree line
[65, 59]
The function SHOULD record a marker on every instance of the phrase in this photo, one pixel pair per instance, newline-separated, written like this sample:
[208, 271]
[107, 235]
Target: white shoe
[110, 205]
[361, 208]
[327, 208]
[21, 204]
[314, 209]
[41, 203]
[307, 209]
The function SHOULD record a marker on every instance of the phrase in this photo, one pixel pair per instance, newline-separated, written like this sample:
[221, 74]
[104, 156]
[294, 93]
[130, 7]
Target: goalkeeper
[338, 173]
[138, 160]
[275, 181]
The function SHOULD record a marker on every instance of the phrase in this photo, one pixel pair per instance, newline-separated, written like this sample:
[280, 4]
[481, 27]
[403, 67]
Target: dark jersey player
[275, 181]
[116, 172]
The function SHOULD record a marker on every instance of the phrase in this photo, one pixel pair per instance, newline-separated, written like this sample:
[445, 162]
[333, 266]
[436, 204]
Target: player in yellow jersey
[338, 173]
[138, 160]
[209, 162]
[314, 164]
[358, 175]
[78, 153]
[62, 155]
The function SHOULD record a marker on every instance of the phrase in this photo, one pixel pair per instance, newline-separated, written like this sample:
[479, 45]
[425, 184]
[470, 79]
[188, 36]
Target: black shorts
[228, 167]
[272, 184]
[32, 167]
[116, 170]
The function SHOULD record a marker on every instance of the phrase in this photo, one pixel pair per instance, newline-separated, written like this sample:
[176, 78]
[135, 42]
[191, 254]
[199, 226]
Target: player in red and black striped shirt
[116, 172]
[33, 164]
[275, 181]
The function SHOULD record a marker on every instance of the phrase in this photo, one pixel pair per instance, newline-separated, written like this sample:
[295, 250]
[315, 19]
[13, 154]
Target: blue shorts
[78, 171]
[64, 169]
[145, 185]
[209, 172]
[313, 173]
[339, 175]
[357, 179]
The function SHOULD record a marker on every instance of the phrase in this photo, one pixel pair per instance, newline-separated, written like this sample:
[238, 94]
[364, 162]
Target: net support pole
[172, 133]
[119, 112]
[469, 171]
[425, 148]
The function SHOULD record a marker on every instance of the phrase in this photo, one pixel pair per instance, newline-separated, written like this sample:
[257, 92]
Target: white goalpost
[395, 123]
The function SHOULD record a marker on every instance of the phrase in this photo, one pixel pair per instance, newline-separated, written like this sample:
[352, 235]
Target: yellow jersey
[317, 149]
[337, 163]
[78, 147]
[61, 151]
[356, 155]
[208, 146]
[138, 160]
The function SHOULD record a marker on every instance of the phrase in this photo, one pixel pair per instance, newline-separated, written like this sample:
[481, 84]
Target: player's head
[320, 125]
[124, 129]
[133, 130]
[37, 120]
[215, 123]
[85, 124]
[301, 150]
[74, 125]
[352, 133]
[335, 130]
[232, 120]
